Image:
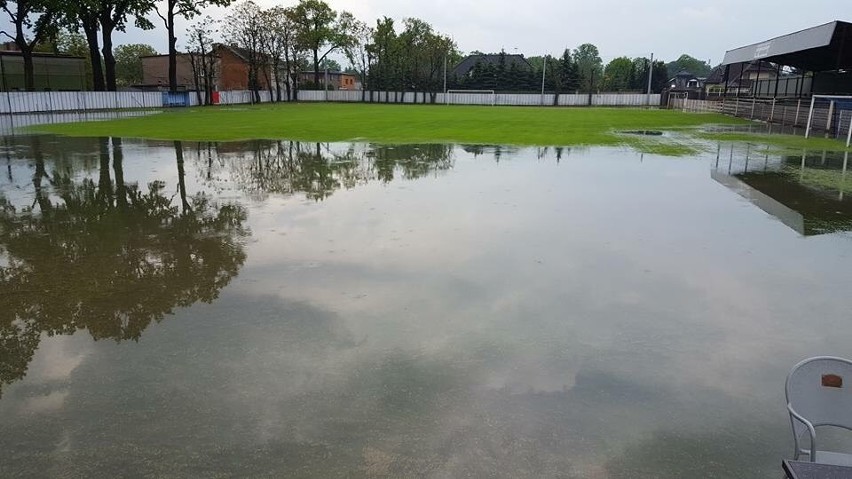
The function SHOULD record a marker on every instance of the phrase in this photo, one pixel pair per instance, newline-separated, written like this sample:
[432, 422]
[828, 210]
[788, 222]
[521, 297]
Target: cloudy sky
[702, 29]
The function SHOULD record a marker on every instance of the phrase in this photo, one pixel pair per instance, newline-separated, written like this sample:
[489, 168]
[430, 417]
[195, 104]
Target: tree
[244, 27]
[113, 15]
[277, 36]
[693, 65]
[33, 21]
[65, 42]
[187, 9]
[319, 28]
[202, 59]
[128, 63]
[383, 52]
[90, 239]
[84, 14]
[618, 74]
[589, 66]
[359, 54]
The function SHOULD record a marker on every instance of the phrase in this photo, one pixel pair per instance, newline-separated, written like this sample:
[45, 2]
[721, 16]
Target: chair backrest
[820, 390]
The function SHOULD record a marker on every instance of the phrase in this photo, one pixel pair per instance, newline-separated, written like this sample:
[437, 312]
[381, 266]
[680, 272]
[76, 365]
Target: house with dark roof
[742, 77]
[468, 63]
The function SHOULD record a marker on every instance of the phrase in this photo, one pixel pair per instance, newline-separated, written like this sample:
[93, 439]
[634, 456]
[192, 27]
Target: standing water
[283, 309]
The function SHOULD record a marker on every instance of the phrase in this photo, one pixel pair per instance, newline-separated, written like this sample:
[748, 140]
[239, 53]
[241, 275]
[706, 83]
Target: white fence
[74, 101]
[55, 101]
[509, 99]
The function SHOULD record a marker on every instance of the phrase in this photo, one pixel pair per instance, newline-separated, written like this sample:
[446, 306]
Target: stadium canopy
[823, 48]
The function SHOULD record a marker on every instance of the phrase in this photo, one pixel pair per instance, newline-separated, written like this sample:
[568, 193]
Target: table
[813, 470]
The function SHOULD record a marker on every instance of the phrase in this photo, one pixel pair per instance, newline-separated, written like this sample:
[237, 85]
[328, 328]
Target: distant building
[741, 78]
[337, 80]
[50, 72]
[231, 70]
[468, 63]
[686, 82]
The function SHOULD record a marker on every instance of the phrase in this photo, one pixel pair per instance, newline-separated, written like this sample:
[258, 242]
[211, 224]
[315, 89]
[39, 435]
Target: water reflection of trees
[317, 170]
[105, 256]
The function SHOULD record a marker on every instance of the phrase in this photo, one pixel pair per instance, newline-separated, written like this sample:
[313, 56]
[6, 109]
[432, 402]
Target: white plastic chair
[819, 393]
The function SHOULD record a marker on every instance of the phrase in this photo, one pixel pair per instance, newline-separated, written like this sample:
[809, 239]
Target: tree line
[288, 41]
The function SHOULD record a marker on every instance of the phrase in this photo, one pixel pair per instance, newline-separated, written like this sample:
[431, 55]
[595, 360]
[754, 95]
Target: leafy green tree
[187, 9]
[589, 66]
[383, 52]
[83, 14]
[113, 16]
[619, 74]
[321, 28]
[693, 65]
[128, 63]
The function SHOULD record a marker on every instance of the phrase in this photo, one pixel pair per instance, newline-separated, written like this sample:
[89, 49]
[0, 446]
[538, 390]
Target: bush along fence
[80, 101]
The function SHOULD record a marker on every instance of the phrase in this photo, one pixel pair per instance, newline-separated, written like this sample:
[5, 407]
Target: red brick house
[232, 69]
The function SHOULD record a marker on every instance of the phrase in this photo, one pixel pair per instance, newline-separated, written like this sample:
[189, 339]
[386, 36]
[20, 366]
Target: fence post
[772, 111]
[810, 117]
[798, 107]
[753, 103]
[830, 117]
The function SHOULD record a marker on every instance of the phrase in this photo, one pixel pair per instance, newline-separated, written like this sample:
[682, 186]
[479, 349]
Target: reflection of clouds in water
[58, 357]
[52, 402]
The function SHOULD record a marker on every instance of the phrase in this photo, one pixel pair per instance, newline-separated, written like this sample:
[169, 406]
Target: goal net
[470, 97]
[830, 114]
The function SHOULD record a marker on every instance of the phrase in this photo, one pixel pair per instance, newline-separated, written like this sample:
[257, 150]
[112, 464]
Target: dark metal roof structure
[821, 48]
[467, 64]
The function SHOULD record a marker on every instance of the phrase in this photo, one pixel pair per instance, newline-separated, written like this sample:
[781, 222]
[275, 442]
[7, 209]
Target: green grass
[401, 124]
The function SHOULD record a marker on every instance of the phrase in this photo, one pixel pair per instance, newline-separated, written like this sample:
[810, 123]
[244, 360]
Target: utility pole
[543, 70]
[650, 76]
[445, 72]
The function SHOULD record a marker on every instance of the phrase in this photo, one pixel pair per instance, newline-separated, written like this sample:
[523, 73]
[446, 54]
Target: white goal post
[471, 97]
[826, 110]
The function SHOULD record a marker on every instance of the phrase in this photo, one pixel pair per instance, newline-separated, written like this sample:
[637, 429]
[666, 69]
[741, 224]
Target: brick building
[231, 70]
[336, 80]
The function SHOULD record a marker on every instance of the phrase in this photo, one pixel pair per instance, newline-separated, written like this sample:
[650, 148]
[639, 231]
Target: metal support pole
[772, 111]
[543, 70]
[726, 79]
[650, 75]
[843, 175]
[830, 118]
[778, 80]
[810, 117]
[849, 133]
[798, 108]
[445, 75]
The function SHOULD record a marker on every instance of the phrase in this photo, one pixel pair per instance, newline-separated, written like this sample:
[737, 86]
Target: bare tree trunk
[90, 28]
[170, 28]
[109, 59]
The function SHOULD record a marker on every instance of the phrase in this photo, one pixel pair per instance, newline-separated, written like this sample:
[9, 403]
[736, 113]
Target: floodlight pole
[650, 75]
[543, 70]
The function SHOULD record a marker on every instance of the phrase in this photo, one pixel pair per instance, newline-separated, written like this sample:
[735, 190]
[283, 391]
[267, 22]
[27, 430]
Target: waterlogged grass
[779, 143]
[402, 124]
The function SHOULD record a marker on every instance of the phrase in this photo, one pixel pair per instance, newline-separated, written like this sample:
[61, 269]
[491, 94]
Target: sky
[702, 29]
